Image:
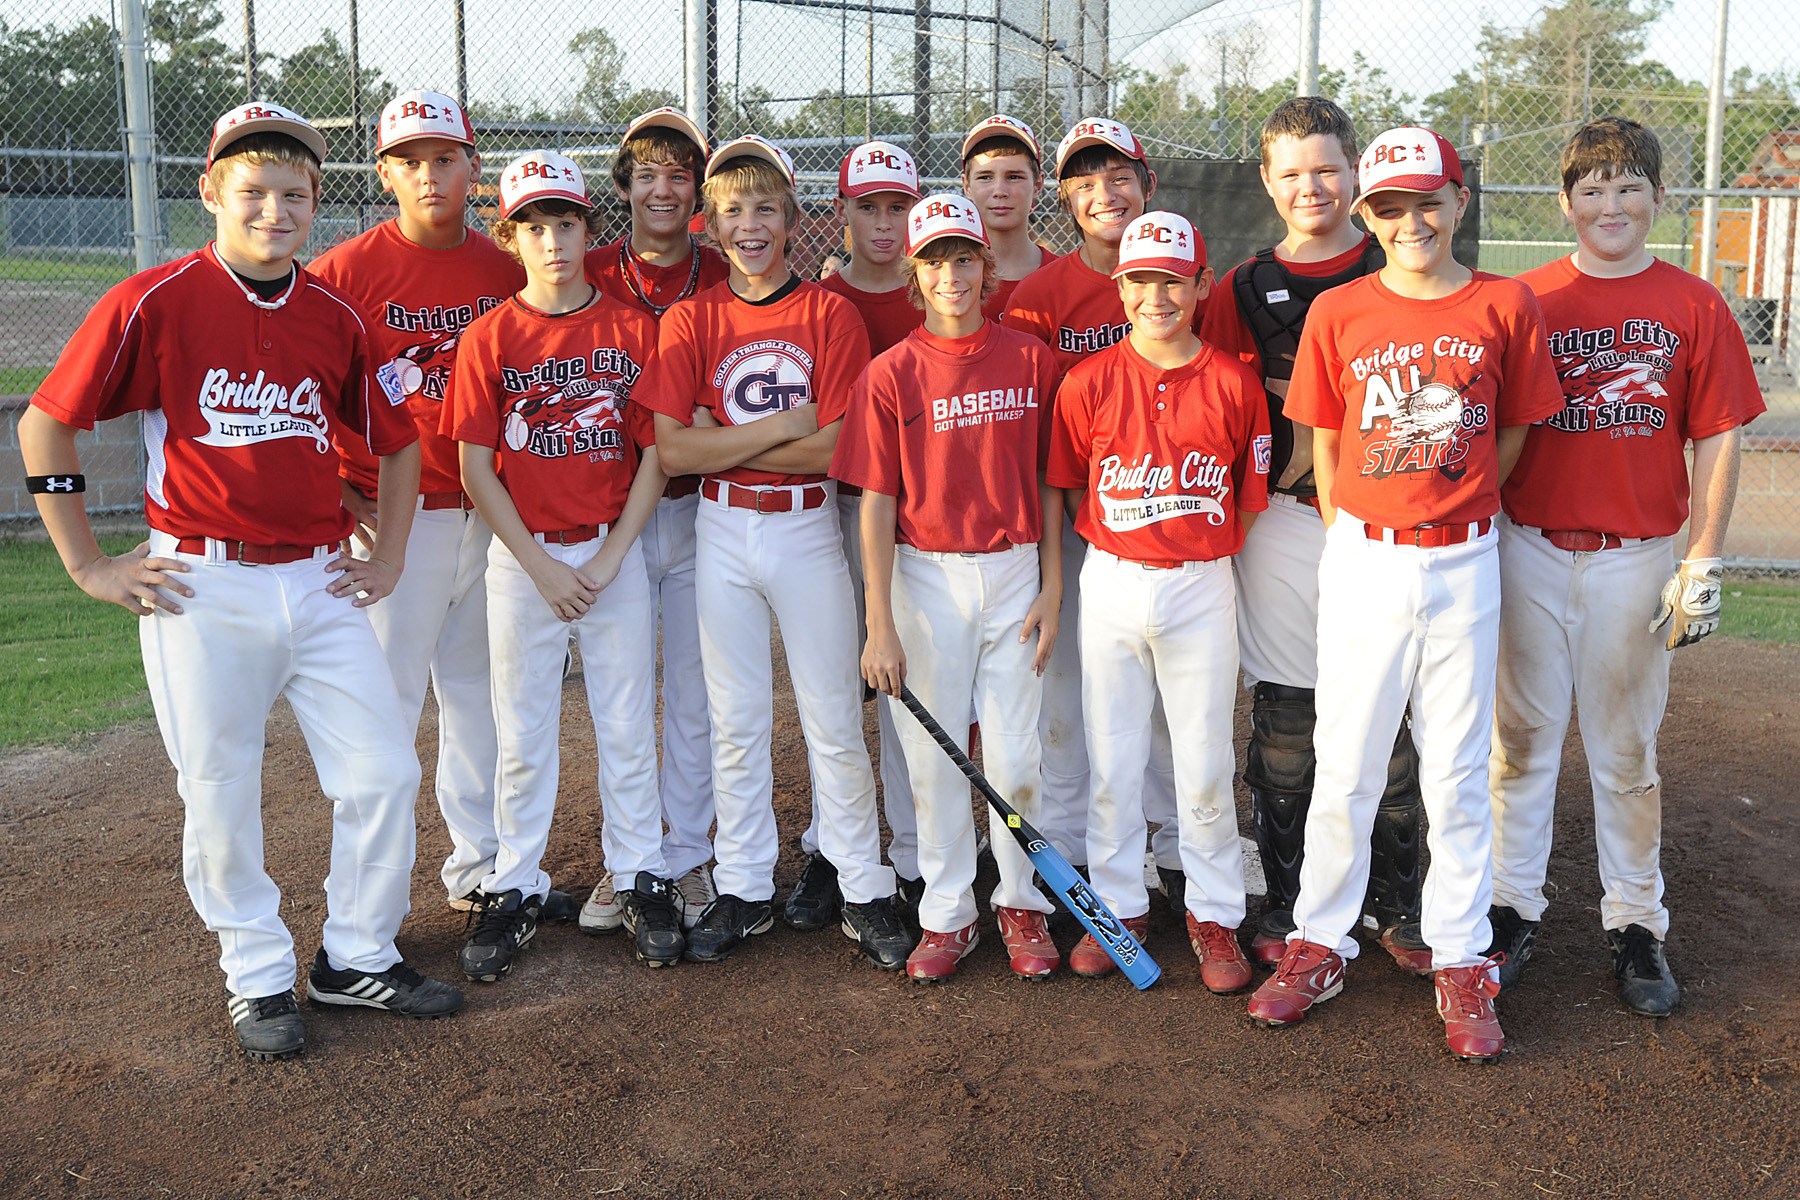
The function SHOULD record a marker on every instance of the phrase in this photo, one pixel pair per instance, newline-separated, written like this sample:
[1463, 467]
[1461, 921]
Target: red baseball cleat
[1408, 948]
[1090, 959]
[1223, 967]
[1307, 974]
[1028, 942]
[936, 955]
[1465, 999]
[1267, 949]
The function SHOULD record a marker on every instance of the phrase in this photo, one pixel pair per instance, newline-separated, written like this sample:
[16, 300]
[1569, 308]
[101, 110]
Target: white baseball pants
[618, 664]
[1278, 594]
[686, 777]
[1573, 629]
[1399, 624]
[247, 635]
[959, 617]
[433, 627]
[1172, 632]
[750, 566]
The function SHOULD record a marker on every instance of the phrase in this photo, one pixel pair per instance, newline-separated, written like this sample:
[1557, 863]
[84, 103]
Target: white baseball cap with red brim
[667, 118]
[878, 167]
[1408, 159]
[543, 175]
[751, 146]
[1001, 126]
[263, 117]
[942, 215]
[1162, 241]
[1097, 131]
[421, 114]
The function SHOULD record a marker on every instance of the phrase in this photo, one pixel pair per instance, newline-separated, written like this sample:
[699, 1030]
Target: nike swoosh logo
[914, 417]
[1330, 978]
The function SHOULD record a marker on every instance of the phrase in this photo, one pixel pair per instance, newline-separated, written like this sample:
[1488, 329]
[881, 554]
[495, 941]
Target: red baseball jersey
[647, 287]
[553, 395]
[1419, 389]
[1646, 362]
[957, 430]
[889, 316]
[1222, 323]
[241, 402]
[994, 307]
[1072, 308]
[1165, 459]
[747, 361]
[417, 302]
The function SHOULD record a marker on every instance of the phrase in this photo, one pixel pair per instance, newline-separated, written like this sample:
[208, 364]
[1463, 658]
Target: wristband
[55, 484]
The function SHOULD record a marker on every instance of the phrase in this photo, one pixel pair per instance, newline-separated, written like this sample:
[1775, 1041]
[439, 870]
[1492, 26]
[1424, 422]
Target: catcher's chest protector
[1274, 302]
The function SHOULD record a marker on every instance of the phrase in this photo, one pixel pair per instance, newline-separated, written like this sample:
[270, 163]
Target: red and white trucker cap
[751, 146]
[942, 215]
[263, 117]
[1097, 131]
[1162, 241]
[667, 118]
[543, 175]
[997, 126]
[1408, 159]
[878, 167]
[421, 114]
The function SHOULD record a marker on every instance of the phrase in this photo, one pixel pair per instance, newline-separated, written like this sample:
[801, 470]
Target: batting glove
[1692, 597]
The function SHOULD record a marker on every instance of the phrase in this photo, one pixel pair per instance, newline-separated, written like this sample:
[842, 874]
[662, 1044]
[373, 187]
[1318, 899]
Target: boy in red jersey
[542, 404]
[421, 279]
[657, 263]
[1418, 383]
[245, 369]
[1650, 360]
[751, 384]
[1002, 173]
[1163, 444]
[946, 435]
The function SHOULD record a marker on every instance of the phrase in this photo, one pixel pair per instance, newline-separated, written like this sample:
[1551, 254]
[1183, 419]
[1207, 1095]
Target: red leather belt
[570, 537]
[1429, 537]
[771, 500]
[1582, 541]
[681, 486]
[435, 501]
[243, 552]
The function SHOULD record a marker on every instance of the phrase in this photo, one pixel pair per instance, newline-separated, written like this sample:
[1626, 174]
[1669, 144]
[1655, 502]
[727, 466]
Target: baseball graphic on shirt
[1430, 414]
[517, 431]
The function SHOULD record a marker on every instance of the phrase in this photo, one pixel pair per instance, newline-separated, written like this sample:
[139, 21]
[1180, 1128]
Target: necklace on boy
[628, 267]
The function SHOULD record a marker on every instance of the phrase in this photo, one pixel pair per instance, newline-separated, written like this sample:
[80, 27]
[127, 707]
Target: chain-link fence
[1506, 81]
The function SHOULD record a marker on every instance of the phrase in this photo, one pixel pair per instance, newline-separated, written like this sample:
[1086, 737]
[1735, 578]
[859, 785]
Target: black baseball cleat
[1514, 938]
[399, 989]
[815, 901]
[878, 929]
[653, 916]
[269, 1028]
[1174, 889]
[558, 908]
[504, 925]
[725, 924]
[1646, 984]
[908, 894]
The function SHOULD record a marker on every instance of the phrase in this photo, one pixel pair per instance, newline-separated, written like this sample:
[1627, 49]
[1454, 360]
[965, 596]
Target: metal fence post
[140, 138]
[698, 52]
[1308, 75]
[1715, 145]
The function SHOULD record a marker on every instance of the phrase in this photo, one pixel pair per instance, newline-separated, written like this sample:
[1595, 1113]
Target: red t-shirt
[417, 302]
[957, 430]
[1165, 459]
[646, 287]
[746, 361]
[1647, 363]
[1223, 323]
[1072, 308]
[1419, 389]
[889, 316]
[994, 307]
[241, 403]
[552, 394]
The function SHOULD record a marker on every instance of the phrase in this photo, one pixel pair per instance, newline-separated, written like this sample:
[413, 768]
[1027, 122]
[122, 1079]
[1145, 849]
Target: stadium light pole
[1715, 140]
[1308, 74]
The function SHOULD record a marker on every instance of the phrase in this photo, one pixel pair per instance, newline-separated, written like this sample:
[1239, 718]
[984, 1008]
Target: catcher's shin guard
[1278, 769]
[1396, 876]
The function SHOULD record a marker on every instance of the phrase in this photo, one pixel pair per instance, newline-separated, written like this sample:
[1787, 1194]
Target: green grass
[69, 665]
[21, 381]
[1762, 611]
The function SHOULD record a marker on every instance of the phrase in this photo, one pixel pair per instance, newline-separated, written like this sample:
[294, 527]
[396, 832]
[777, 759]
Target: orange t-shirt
[994, 307]
[889, 316]
[646, 287]
[553, 395]
[417, 302]
[1647, 362]
[1072, 308]
[1419, 389]
[746, 361]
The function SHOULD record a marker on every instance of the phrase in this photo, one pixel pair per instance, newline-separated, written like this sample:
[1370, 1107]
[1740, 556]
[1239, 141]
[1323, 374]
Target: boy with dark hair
[246, 368]
[1651, 362]
[1002, 173]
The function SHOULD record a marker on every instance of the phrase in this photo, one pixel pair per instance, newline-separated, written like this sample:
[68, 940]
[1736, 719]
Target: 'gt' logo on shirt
[763, 384]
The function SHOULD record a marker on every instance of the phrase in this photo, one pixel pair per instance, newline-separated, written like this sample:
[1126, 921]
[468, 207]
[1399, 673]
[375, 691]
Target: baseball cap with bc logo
[543, 175]
[1097, 131]
[751, 146]
[942, 215]
[263, 117]
[1000, 126]
[877, 167]
[1408, 159]
[421, 114]
[1162, 241]
[667, 118]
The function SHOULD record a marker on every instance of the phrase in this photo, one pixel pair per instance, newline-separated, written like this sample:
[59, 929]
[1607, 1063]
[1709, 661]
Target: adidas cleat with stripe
[268, 1028]
[399, 989]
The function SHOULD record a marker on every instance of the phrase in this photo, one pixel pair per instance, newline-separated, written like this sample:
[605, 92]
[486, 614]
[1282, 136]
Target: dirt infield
[794, 1070]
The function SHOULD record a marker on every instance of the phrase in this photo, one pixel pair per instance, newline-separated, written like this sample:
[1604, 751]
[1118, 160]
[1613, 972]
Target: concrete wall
[111, 458]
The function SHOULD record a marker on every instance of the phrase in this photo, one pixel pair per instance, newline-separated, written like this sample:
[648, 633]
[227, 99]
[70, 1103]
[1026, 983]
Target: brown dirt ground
[796, 1070]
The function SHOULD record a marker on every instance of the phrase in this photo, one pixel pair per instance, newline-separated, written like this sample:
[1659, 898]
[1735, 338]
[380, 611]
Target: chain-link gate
[1506, 81]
